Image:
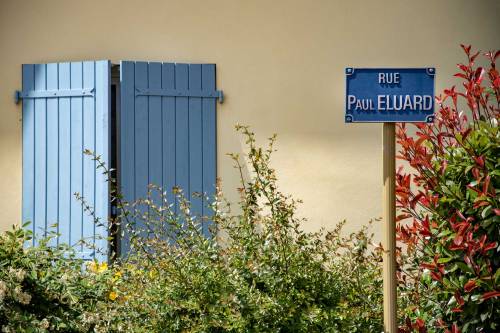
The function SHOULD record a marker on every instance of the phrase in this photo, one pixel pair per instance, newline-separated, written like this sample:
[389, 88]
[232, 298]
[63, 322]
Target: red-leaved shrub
[449, 208]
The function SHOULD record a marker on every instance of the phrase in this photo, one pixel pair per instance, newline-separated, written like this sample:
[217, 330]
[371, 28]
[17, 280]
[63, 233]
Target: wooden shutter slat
[182, 131]
[141, 136]
[169, 130]
[155, 129]
[209, 140]
[76, 149]
[102, 139]
[52, 149]
[195, 141]
[65, 195]
[29, 148]
[89, 133]
[40, 152]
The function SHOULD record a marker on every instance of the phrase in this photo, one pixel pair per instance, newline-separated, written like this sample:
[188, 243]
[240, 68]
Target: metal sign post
[389, 220]
[389, 95]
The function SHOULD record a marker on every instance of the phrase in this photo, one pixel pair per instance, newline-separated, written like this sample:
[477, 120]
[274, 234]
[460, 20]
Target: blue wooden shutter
[66, 110]
[168, 130]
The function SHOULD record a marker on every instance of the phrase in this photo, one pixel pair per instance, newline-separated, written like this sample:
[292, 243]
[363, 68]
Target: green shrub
[257, 271]
[44, 289]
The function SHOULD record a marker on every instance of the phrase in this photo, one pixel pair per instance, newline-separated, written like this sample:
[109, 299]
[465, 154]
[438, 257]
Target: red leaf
[462, 67]
[486, 184]
[444, 165]
[428, 265]
[469, 286]
[461, 75]
[458, 239]
[476, 173]
[415, 200]
[479, 160]
[480, 204]
[491, 294]
[497, 211]
[466, 133]
[466, 48]
[496, 83]
[437, 276]
[474, 189]
[489, 246]
[455, 329]
[461, 215]
[402, 217]
[478, 75]
[472, 58]
[459, 298]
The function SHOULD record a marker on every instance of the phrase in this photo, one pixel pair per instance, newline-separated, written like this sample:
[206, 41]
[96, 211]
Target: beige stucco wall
[280, 63]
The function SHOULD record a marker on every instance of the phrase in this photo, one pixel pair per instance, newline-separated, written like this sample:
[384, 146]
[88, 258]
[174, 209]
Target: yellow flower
[116, 276]
[95, 267]
[92, 266]
[113, 295]
[102, 267]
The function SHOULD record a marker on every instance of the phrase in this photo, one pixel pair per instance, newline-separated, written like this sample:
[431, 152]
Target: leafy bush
[257, 271]
[44, 289]
[450, 277]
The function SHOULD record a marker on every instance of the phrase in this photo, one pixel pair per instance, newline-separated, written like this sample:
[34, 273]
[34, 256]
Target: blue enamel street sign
[381, 95]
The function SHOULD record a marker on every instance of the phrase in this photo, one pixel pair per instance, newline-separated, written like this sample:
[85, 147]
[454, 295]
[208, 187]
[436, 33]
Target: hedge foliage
[257, 271]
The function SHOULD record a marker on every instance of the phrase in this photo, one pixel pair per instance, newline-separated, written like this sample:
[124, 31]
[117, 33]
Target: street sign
[387, 95]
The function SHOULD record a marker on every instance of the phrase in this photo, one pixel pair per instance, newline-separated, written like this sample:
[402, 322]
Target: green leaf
[444, 260]
[486, 211]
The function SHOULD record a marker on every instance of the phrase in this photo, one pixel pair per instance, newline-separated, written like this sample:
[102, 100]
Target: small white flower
[3, 290]
[18, 274]
[45, 323]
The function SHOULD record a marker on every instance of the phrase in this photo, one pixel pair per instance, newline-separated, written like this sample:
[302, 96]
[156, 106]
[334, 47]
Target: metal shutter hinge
[53, 93]
[218, 94]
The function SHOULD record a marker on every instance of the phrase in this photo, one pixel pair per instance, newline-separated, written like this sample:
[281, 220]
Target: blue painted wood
[52, 149]
[195, 142]
[141, 138]
[28, 214]
[182, 131]
[65, 195]
[40, 213]
[102, 143]
[76, 149]
[155, 141]
[127, 142]
[209, 138]
[55, 132]
[89, 165]
[165, 140]
[169, 131]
